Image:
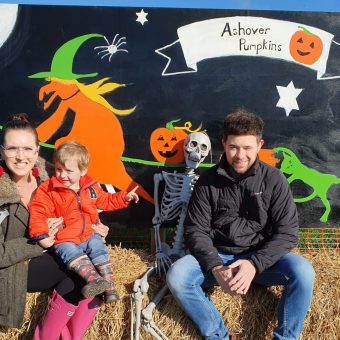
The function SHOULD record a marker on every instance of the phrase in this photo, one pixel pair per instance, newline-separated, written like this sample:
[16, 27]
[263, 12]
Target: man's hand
[223, 275]
[245, 272]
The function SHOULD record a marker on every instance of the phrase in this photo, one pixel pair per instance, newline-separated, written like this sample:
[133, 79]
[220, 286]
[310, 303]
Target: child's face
[69, 173]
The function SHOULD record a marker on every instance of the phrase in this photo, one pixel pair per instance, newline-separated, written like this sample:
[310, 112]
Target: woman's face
[20, 152]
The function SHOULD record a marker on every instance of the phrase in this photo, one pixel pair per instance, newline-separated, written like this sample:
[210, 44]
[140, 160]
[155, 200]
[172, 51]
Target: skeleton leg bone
[148, 323]
[140, 287]
[152, 329]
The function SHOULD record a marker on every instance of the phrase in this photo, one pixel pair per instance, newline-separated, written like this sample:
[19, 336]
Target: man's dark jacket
[254, 213]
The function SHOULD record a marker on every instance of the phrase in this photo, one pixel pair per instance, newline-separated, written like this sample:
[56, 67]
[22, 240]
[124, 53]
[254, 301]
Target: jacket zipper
[81, 212]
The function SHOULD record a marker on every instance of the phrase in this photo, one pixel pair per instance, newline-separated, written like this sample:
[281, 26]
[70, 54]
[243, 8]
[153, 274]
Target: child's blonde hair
[72, 150]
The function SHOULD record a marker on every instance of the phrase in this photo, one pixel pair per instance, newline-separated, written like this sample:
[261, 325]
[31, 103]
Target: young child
[74, 196]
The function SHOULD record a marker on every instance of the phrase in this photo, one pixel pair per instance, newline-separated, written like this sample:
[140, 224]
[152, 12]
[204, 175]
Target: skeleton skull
[196, 147]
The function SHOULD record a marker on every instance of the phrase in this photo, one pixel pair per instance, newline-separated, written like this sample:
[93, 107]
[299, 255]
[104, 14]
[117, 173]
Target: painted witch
[94, 124]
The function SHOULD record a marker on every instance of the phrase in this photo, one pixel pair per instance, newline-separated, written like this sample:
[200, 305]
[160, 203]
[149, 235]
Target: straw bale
[253, 316]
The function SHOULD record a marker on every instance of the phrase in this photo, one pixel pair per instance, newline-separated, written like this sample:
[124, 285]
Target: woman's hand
[101, 229]
[47, 242]
[54, 224]
[132, 196]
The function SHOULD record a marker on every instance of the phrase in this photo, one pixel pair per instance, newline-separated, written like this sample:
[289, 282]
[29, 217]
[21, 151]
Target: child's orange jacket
[79, 209]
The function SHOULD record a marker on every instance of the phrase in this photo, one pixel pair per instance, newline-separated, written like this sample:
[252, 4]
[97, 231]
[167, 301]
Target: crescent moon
[8, 18]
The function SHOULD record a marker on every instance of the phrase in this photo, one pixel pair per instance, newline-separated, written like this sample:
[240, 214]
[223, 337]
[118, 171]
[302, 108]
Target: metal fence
[310, 239]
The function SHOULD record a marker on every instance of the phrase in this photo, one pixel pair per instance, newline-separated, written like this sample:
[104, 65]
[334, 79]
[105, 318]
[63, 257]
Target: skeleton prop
[173, 205]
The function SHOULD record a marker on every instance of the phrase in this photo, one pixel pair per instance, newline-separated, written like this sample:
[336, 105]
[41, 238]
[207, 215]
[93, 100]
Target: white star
[141, 17]
[288, 97]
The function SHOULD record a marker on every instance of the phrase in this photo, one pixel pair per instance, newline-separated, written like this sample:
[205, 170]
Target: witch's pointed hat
[62, 62]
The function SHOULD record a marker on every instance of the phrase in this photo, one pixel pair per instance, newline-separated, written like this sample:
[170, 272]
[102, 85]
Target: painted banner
[253, 36]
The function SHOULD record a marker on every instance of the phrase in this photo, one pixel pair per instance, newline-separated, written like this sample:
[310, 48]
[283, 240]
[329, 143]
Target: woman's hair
[242, 123]
[18, 121]
[72, 150]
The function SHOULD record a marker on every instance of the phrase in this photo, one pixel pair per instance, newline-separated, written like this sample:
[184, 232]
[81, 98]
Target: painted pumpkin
[268, 156]
[167, 144]
[305, 47]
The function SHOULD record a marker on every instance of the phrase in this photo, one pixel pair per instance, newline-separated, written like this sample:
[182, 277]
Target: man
[240, 227]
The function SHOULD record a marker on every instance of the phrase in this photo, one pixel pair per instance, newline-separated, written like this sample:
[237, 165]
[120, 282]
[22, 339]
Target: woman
[24, 267]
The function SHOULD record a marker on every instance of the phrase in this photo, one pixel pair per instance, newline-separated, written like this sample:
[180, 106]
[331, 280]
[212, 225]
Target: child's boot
[105, 270]
[95, 284]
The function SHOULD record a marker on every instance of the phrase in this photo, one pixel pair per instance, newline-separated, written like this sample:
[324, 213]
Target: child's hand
[54, 224]
[101, 229]
[132, 196]
[46, 242]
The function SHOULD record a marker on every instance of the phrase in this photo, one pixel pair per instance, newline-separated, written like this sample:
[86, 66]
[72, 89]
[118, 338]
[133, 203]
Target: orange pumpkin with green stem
[305, 47]
[166, 143]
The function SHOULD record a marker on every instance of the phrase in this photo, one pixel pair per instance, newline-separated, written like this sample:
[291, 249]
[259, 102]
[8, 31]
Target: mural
[252, 36]
[319, 182]
[131, 83]
[95, 124]
[167, 143]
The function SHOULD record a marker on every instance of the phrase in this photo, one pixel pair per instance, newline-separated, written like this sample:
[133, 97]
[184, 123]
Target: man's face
[241, 151]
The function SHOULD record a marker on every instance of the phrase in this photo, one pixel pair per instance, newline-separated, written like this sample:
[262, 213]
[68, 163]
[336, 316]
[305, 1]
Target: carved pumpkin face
[167, 145]
[305, 47]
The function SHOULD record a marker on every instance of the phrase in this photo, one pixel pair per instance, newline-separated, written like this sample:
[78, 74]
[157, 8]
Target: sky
[286, 5]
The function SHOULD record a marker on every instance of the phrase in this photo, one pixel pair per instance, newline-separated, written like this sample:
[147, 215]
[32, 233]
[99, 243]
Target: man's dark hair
[241, 123]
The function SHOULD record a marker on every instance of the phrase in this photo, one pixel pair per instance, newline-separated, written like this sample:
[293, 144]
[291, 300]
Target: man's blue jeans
[94, 248]
[185, 280]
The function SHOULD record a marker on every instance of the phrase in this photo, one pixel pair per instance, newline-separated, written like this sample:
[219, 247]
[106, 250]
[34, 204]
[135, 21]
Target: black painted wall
[219, 86]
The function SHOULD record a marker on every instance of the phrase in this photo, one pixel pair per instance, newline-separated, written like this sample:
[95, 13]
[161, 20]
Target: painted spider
[113, 48]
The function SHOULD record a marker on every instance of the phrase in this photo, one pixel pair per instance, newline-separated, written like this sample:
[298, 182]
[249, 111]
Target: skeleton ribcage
[177, 192]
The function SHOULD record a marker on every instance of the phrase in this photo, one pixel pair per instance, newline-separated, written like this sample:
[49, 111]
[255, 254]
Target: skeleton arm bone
[157, 238]
[157, 178]
[163, 261]
[157, 218]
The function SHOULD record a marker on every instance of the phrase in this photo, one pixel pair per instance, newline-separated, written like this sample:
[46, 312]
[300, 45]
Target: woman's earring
[35, 171]
[1, 167]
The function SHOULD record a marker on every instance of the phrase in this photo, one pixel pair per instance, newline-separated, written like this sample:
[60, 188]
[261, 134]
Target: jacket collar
[85, 181]
[8, 192]
[224, 169]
